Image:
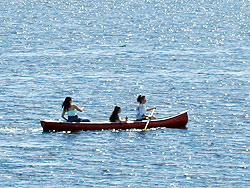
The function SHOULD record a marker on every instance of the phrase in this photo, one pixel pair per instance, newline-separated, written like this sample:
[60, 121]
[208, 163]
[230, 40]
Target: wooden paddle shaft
[149, 120]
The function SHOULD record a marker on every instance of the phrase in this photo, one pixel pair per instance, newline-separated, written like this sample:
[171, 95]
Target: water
[182, 55]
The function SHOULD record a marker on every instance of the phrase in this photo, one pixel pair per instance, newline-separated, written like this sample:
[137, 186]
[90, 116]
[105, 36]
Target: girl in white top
[71, 110]
[141, 109]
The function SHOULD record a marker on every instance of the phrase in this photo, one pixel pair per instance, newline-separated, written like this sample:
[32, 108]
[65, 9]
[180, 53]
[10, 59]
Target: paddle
[148, 120]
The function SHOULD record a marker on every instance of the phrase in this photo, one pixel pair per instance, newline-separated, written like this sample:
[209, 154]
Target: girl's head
[117, 109]
[114, 116]
[141, 99]
[66, 103]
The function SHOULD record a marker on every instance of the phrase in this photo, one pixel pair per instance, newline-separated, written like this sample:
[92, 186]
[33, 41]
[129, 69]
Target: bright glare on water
[183, 55]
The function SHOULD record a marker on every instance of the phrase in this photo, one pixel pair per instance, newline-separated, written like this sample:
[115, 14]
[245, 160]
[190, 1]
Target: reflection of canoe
[177, 121]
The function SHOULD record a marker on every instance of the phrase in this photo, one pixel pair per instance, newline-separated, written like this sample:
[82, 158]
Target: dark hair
[66, 104]
[114, 115]
[140, 98]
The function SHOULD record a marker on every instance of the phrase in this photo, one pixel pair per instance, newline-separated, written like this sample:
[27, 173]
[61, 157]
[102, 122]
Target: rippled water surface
[183, 55]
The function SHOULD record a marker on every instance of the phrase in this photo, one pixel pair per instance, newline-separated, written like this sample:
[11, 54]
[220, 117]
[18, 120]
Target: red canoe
[178, 121]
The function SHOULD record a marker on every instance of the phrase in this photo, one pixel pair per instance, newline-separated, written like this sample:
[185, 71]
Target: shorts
[141, 119]
[77, 119]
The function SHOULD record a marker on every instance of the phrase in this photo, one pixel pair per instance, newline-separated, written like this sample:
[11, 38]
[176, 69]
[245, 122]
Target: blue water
[183, 55]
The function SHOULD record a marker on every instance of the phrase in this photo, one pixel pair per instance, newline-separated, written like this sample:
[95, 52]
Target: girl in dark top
[114, 117]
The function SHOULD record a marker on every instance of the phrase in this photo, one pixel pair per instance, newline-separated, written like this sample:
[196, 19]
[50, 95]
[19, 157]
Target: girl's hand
[152, 118]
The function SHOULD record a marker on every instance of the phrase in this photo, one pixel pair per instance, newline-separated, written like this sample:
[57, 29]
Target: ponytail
[140, 98]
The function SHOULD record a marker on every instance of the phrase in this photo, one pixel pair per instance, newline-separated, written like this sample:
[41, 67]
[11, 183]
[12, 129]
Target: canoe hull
[178, 121]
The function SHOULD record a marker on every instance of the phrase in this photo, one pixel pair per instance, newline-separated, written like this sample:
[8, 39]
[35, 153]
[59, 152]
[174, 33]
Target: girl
[141, 109]
[71, 110]
[114, 116]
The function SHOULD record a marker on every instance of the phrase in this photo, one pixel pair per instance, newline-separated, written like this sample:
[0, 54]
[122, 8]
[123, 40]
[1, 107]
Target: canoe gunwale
[175, 121]
[108, 122]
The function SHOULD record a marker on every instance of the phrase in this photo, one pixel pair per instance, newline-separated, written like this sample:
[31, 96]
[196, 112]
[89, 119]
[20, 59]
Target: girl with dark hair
[141, 109]
[71, 110]
[114, 117]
